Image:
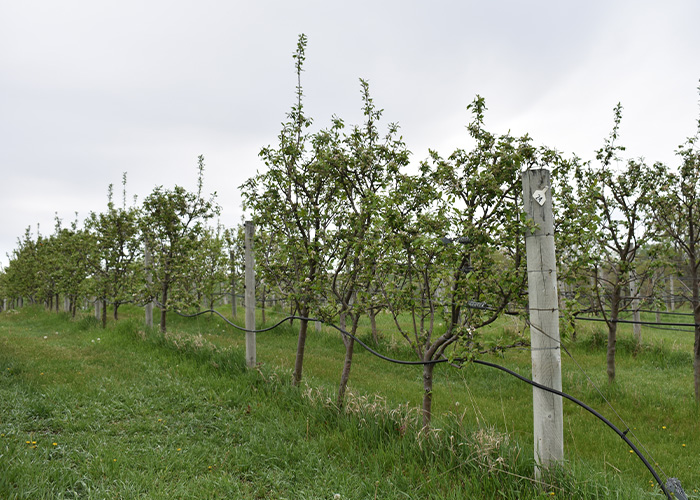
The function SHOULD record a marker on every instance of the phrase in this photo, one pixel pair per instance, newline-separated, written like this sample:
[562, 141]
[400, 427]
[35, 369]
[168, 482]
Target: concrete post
[672, 299]
[249, 295]
[544, 321]
[634, 293]
[148, 262]
[234, 311]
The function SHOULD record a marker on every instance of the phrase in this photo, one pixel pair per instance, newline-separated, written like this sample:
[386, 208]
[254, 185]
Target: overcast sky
[91, 89]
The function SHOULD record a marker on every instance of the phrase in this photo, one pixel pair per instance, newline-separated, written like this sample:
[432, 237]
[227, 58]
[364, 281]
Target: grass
[128, 413]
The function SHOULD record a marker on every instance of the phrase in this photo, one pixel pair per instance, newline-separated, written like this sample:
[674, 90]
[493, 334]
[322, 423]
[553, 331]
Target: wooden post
[634, 293]
[98, 309]
[249, 295]
[672, 298]
[544, 321]
[148, 262]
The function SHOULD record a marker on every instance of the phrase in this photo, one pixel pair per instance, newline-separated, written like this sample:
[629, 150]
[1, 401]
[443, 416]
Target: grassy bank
[125, 413]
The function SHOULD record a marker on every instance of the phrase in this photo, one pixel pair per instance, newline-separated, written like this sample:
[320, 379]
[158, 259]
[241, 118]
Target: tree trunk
[345, 375]
[163, 312]
[301, 344]
[373, 321]
[116, 308]
[263, 304]
[696, 316]
[612, 332]
[347, 364]
[572, 325]
[696, 347]
[104, 313]
[427, 394]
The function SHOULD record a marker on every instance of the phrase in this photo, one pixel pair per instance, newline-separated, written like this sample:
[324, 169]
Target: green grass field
[125, 413]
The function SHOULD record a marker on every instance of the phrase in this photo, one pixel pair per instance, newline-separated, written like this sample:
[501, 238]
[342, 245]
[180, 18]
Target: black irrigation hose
[627, 310]
[665, 312]
[476, 361]
[670, 329]
[233, 324]
[636, 322]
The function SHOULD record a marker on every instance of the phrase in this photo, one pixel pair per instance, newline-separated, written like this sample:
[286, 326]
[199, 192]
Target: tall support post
[544, 321]
[148, 262]
[634, 293]
[672, 297]
[249, 295]
[232, 256]
[98, 309]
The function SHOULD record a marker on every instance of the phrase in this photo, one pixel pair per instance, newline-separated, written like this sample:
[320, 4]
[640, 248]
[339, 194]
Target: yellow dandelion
[28, 442]
[33, 442]
[180, 449]
[663, 426]
[683, 445]
[114, 460]
[55, 444]
[631, 451]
